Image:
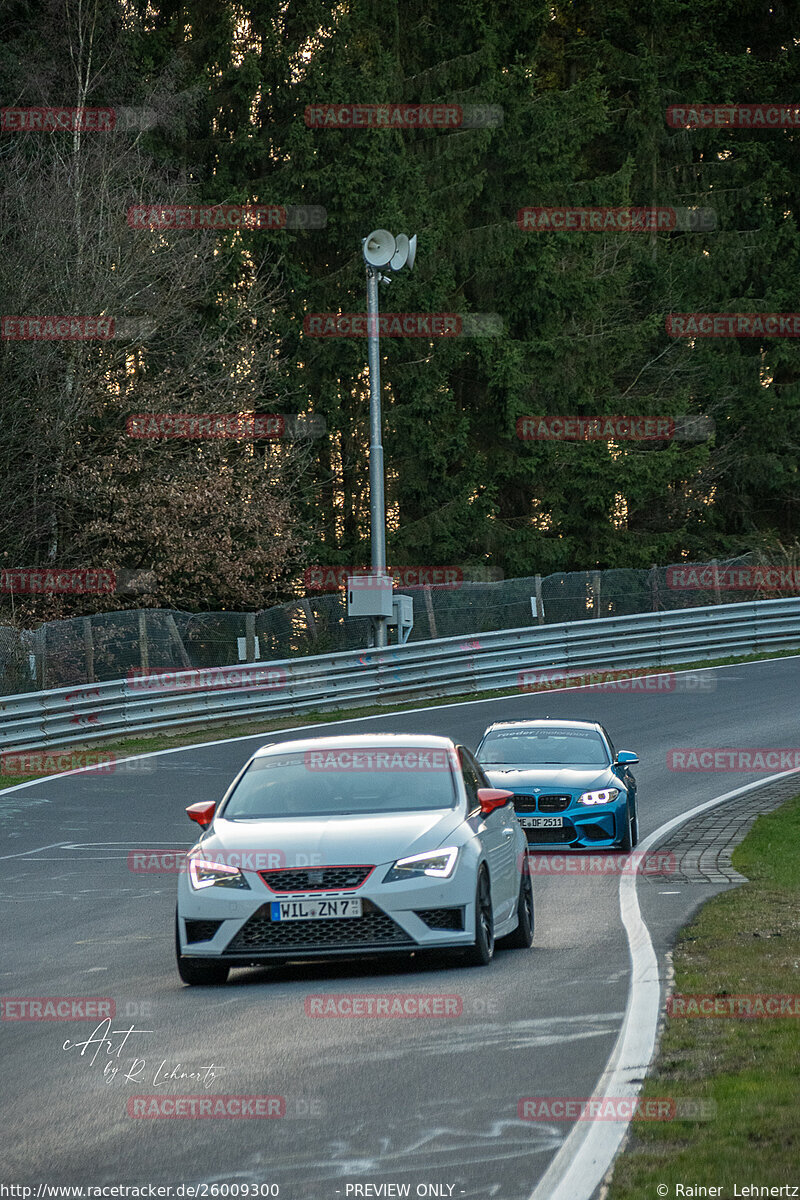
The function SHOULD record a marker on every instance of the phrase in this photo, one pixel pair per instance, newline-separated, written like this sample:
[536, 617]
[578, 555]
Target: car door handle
[508, 833]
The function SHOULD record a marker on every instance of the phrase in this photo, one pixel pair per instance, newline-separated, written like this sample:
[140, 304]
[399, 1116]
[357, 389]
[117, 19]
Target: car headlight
[606, 796]
[204, 873]
[439, 864]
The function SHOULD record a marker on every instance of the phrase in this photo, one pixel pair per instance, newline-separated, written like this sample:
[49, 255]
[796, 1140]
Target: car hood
[339, 840]
[584, 779]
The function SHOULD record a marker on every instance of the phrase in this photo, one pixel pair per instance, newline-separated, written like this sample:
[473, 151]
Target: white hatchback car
[348, 846]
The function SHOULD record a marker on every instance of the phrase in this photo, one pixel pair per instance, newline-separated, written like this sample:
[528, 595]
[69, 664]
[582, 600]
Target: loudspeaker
[379, 248]
[400, 256]
[405, 254]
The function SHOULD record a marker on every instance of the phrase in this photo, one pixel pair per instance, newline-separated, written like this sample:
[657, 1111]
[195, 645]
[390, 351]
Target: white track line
[589, 1148]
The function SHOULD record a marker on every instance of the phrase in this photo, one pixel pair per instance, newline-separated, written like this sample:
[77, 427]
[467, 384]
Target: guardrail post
[89, 648]
[429, 609]
[178, 640]
[144, 652]
[41, 657]
[250, 636]
[311, 623]
[537, 590]
[654, 588]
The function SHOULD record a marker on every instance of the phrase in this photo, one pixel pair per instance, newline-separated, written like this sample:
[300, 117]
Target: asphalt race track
[419, 1101]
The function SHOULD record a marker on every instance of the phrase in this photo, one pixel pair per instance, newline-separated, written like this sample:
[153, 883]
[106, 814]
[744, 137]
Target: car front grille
[565, 834]
[545, 804]
[373, 928]
[442, 918]
[201, 931]
[315, 879]
[551, 804]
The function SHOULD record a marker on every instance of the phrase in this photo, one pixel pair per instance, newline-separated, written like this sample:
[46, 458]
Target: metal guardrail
[348, 679]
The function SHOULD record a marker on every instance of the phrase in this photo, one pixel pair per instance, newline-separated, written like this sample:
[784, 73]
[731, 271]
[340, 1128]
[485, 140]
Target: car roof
[358, 741]
[524, 723]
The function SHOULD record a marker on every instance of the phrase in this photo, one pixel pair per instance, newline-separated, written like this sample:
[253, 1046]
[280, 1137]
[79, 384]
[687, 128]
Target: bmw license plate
[541, 822]
[313, 910]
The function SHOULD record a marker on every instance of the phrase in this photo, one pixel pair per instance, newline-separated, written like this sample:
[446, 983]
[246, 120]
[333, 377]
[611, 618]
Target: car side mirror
[627, 758]
[202, 813]
[492, 798]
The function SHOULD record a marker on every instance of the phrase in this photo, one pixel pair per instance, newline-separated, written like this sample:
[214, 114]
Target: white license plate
[541, 822]
[313, 910]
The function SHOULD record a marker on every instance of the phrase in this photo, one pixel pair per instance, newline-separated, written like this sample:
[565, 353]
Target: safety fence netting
[116, 645]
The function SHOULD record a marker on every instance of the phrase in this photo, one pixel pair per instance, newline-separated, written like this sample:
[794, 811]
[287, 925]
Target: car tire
[481, 952]
[199, 971]
[631, 835]
[635, 826]
[522, 936]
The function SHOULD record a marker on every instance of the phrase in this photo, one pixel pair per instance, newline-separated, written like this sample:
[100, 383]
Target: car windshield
[343, 781]
[553, 746]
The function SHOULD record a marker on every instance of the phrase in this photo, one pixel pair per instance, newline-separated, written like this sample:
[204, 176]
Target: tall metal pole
[376, 500]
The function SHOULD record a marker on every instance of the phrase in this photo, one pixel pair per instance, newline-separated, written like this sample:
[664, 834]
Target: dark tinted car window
[470, 777]
[476, 767]
[611, 746]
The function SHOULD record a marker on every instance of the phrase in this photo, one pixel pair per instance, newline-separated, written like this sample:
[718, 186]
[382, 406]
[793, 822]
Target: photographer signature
[107, 1044]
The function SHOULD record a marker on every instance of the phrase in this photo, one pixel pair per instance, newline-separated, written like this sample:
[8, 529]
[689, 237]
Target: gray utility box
[402, 616]
[369, 595]
[402, 612]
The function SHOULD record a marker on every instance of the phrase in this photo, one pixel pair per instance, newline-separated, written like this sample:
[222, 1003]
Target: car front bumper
[584, 827]
[398, 917]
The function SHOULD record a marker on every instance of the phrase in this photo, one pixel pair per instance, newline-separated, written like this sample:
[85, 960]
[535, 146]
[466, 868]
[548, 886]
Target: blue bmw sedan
[571, 787]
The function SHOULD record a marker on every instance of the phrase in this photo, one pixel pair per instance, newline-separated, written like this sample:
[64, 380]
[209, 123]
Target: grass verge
[743, 942]
[189, 735]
